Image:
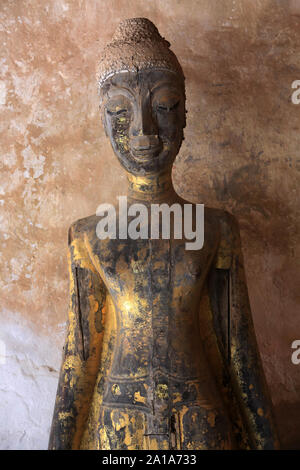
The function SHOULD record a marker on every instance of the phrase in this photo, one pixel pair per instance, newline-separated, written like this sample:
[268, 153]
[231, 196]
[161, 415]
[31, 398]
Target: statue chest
[143, 274]
[155, 286]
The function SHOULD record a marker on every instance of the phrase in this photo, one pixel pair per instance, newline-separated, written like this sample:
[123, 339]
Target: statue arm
[244, 360]
[82, 348]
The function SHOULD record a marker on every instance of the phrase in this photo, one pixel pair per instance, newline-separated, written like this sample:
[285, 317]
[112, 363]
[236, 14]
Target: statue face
[144, 117]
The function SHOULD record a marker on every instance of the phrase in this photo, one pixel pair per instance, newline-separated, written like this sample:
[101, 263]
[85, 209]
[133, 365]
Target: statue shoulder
[80, 227]
[79, 232]
[229, 224]
[229, 232]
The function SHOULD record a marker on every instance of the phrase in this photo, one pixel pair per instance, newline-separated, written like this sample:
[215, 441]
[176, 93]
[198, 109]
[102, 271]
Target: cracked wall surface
[241, 152]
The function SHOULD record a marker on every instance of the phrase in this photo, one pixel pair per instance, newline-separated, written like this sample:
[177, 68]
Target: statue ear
[184, 119]
[103, 120]
[104, 125]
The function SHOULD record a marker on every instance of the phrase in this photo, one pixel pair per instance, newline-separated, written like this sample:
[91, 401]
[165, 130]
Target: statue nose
[144, 142]
[143, 127]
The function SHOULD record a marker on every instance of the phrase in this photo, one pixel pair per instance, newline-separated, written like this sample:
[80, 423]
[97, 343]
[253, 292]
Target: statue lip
[146, 151]
[145, 146]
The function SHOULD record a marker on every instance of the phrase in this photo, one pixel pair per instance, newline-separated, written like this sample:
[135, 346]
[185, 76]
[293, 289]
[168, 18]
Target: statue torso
[155, 372]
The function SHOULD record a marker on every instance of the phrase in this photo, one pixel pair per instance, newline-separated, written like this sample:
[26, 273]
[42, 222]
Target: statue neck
[151, 188]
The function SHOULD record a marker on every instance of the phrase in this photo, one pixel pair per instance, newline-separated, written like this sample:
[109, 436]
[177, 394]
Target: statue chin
[146, 164]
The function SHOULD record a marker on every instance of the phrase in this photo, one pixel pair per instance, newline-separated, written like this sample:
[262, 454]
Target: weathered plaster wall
[241, 153]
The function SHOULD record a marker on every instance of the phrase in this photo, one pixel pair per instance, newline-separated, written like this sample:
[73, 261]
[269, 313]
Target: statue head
[142, 98]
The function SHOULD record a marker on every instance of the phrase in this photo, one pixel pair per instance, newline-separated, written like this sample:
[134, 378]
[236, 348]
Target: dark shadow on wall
[238, 94]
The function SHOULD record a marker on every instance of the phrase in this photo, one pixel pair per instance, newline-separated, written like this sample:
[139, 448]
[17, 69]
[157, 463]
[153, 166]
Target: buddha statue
[160, 350]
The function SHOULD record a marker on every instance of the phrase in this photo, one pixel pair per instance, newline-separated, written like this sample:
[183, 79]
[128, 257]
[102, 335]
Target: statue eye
[117, 106]
[164, 107]
[116, 112]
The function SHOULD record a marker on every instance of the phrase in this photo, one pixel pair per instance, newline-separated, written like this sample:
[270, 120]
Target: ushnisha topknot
[136, 45]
